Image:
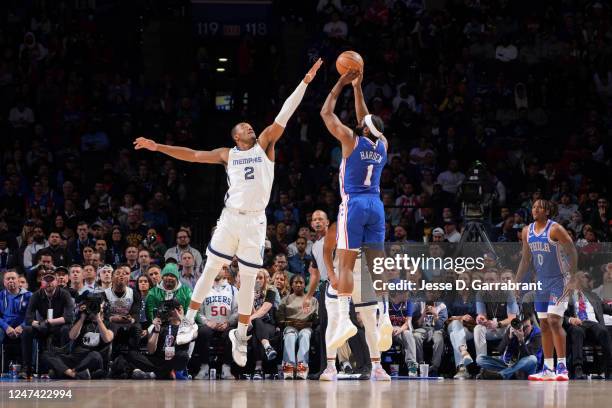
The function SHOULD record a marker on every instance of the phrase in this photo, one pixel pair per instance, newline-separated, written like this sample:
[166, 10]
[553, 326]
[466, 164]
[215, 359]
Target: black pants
[79, 360]
[593, 331]
[126, 336]
[205, 335]
[25, 341]
[53, 336]
[262, 330]
[357, 343]
[158, 364]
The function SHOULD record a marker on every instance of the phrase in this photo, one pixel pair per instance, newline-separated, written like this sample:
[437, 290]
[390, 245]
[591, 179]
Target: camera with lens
[93, 304]
[516, 324]
[166, 308]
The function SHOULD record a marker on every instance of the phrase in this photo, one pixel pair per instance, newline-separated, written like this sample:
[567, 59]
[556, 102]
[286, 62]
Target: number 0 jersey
[548, 258]
[250, 174]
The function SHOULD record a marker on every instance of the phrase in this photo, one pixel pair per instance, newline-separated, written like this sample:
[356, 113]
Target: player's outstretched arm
[216, 156]
[525, 258]
[272, 133]
[361, 108]
[341, 132]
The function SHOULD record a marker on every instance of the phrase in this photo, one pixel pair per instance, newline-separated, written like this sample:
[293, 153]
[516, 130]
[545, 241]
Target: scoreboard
[232, 18]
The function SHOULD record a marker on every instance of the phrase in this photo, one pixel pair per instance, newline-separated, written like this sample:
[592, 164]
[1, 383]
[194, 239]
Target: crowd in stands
[95, 240]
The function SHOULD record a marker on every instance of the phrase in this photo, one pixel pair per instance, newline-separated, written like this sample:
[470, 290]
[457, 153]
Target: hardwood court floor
[303, 394]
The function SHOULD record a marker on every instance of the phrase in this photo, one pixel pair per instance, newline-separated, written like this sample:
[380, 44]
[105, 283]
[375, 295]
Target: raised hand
[348, 77]
[357, 81]
[312, 72]
[144, 143]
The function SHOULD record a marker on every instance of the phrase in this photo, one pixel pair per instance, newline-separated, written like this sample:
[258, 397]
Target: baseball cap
[438, 231]
[61, 270]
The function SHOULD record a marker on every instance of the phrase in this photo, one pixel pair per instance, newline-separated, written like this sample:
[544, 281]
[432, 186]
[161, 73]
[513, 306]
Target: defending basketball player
[241, 229]
[361, 216]
[550, 249]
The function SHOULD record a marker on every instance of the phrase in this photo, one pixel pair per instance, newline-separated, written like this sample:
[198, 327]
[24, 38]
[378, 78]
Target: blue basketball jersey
[548, 259]
[360, 172]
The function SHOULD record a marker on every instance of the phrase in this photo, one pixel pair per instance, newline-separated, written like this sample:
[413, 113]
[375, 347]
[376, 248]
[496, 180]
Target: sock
[549, 362]
[191, 314]
[344, 305]
[331, 363]
[561, 360]
[242, 330]
[375, 364]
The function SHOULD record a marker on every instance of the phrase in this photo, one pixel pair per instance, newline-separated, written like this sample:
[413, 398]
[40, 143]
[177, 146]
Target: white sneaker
[187, 332]
[226, 372]
[239, 347]
[379, 374]
[203, 374]
[344, 331]
[462, 374]
[385, 333]
[545, 375]
[330, 374]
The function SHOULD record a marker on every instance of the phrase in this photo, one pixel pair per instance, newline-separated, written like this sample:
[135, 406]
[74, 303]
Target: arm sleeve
[291, 104]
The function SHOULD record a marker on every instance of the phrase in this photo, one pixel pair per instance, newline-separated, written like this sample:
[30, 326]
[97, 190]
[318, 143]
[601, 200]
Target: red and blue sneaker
[562, 374]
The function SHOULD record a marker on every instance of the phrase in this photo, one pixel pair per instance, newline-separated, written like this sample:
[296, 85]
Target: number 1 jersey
[360, 172]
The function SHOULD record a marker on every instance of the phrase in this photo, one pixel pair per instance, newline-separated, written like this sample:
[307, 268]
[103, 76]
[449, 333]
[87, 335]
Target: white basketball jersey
[250, 174]
[317, 254]
[219, 302]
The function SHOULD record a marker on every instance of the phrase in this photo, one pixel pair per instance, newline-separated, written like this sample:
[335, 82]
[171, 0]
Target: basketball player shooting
[550, 249]
[241, 229]
[361, 216]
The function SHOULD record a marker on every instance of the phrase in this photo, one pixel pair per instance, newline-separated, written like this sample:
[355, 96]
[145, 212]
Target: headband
[370, 125]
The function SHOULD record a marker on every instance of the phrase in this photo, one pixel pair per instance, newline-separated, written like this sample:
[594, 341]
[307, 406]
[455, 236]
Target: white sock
[344, 306]
[549, 362]
[375, 365]
[242, 330]
[191, 314]
[331, 364]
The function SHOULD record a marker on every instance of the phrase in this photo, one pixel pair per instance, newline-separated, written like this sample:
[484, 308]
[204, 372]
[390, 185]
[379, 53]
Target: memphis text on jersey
[460, 285]
[248, 160]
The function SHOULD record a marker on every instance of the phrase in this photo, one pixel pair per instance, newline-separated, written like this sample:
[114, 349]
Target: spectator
[144, 286]
[303, 232]
[169, 288]
[495, 309]
[263, 323]
[335, 28]
[131, 258]
[585, 317]
[298, 263]
[49, 314]
[154, 274]
[105, 278]
[117, 247]
[58, 252]
[153, 243]
[144, 261]
[462, 320]
[77, 280]
[8, 259]
[38, 242]
[75, 248]
[89, 277]
[452, 178]
[521, 353]
[189, 275]
[297, 329]
[605, 290]
[13, 305]
[431, 318]
[450, 230]
[183, 238]
[281, 283]
[219, 316]
[124, 309]
[401, 310]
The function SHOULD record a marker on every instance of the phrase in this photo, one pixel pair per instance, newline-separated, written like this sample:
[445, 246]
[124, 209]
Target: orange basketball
[349, 60]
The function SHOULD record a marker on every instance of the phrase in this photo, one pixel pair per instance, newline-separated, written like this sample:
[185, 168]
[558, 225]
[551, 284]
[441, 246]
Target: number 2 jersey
[548, 258]
[220, 303]
[250, 174]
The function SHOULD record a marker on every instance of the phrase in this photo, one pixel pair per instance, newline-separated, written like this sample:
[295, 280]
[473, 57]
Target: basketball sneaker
[203, 374]
[288, 371]
[385, 333]
[226, 372]
[462, 373]
[187, 332]
[344, 331]
[239, 347]
[545, 375]
[379, 374]
[301, 372]
[257, 375]
[562, 374]
[330, 374]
